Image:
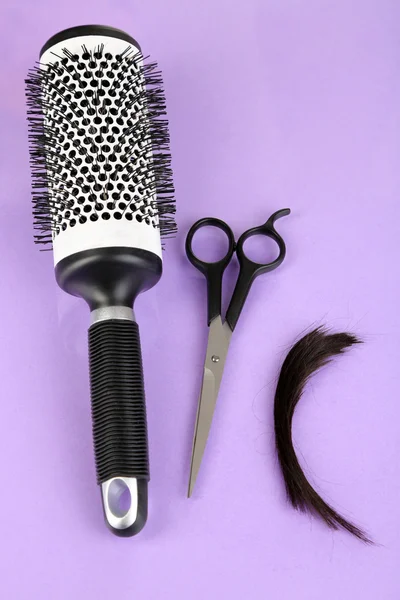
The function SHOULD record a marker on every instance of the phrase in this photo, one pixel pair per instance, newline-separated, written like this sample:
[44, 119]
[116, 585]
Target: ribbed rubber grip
[118, 400]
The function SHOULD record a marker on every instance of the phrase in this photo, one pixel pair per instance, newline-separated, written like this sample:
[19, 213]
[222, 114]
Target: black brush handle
[119, 419]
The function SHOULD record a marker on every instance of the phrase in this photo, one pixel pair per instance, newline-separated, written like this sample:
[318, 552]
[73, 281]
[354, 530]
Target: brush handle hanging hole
[119, 497]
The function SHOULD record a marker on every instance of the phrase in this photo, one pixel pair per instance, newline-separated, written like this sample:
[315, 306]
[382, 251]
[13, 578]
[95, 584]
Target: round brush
[103, 199]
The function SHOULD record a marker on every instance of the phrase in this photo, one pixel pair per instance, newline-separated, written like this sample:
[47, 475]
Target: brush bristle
[99, 146]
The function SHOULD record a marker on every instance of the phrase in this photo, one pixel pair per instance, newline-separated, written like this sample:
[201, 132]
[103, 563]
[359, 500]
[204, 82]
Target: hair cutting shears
[220, 332]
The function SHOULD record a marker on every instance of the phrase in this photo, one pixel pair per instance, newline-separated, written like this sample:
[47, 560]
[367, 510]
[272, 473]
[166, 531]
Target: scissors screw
[215, 358]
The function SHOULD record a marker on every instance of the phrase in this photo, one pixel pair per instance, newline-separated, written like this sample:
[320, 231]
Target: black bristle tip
[50, 150]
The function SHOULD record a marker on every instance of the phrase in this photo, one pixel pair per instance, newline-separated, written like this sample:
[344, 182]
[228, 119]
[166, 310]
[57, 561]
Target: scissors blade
[217, 349]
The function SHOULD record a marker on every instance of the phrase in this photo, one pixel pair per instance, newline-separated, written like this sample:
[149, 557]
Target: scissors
[220, 332]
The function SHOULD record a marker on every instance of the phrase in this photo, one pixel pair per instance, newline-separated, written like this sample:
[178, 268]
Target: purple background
[272, 103]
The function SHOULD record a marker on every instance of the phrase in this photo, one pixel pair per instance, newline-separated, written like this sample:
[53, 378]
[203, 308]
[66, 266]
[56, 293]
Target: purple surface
[271, 104]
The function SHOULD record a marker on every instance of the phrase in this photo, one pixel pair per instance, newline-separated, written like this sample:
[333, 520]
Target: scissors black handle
[212, 271]
[249, 269]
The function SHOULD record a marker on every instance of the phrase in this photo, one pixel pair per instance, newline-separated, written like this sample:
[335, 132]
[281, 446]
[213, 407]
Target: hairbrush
[103, 199]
